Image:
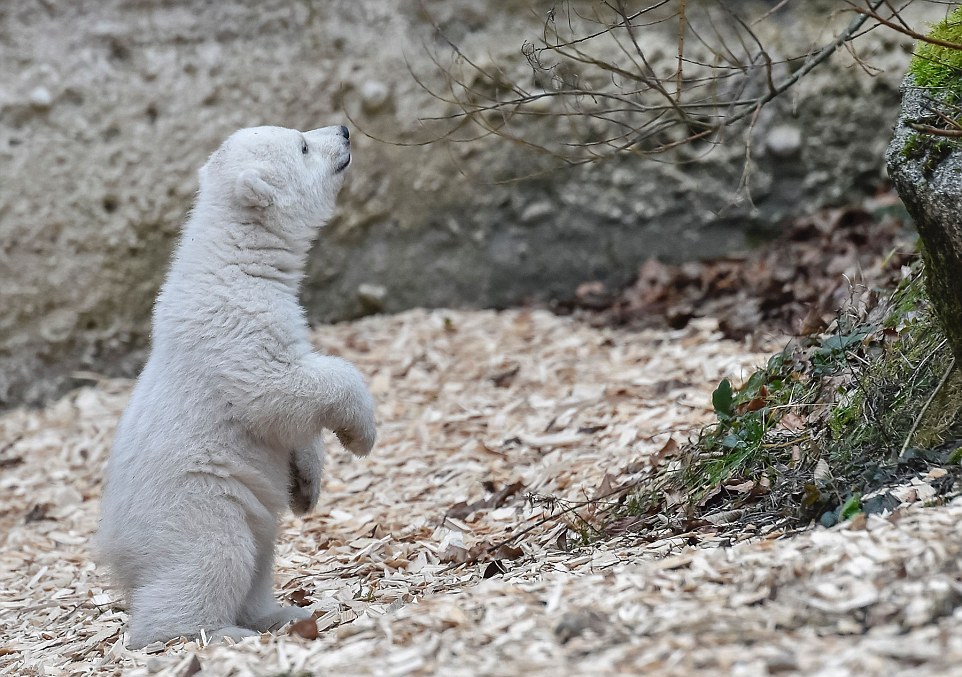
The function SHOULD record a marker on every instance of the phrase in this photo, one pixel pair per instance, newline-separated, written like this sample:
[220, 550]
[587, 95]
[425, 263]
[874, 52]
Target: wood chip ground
[488, 423]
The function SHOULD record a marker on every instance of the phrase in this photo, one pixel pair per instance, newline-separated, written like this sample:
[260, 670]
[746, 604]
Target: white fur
[222, 432]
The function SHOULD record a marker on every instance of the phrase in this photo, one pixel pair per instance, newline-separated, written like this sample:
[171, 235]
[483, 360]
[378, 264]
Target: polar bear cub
[223, 429]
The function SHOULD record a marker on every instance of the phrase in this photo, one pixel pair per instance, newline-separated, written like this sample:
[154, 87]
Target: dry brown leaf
[508, 552]
[752, 405]
[741, 487]
[667, 449]
[306, 628]
[792, 422]
[822, 473]
[604, 489]
[454, 554]
[505, 378]
[299, 598]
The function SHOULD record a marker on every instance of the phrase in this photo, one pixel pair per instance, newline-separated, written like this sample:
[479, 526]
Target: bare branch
[595, 75]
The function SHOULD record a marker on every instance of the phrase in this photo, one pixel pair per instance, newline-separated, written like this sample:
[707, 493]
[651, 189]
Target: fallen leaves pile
[452, 549]
[794, 285]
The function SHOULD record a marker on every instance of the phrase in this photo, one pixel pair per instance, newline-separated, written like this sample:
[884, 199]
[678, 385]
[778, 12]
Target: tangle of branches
[598, 70]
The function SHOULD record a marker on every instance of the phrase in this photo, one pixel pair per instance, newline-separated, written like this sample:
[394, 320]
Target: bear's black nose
[344, 132]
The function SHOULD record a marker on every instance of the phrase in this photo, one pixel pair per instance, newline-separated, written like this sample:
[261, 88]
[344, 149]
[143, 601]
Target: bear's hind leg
[201, 584]
[260, 609]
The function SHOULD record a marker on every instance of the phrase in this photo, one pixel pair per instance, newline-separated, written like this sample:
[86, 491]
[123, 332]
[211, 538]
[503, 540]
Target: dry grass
[469, 404]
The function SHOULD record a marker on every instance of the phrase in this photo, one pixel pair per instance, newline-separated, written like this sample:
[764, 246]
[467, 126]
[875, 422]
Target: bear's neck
[222, 242]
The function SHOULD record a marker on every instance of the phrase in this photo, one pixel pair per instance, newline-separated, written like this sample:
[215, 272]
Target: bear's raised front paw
[358, 442]
[351, 415]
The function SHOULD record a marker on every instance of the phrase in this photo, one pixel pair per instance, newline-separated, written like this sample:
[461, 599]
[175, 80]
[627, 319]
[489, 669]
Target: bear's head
[281, 176]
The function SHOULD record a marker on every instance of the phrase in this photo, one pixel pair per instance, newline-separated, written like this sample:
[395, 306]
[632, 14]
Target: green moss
[910, 150]
[930, 150]
[937, 67]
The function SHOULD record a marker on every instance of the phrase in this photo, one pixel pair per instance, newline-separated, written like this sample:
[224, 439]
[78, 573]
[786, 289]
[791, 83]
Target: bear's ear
[252, 190]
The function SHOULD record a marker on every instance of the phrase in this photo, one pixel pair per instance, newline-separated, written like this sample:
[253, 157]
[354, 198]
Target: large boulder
[108, 108]
[926, 169]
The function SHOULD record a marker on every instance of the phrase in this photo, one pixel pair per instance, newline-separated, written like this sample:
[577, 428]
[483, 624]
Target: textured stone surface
[927, 173]
[107, 109]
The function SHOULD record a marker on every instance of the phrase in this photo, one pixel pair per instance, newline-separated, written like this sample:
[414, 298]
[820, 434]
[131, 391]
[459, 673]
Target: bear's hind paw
[232, 632]
[280, 617]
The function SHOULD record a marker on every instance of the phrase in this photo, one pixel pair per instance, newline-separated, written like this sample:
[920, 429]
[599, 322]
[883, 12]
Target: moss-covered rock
[926, 168]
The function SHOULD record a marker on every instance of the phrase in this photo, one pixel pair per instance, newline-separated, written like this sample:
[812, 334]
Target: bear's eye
[304, 147]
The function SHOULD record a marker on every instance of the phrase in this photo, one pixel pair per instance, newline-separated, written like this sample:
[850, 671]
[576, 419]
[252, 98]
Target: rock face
[107, 109]
[927, 173]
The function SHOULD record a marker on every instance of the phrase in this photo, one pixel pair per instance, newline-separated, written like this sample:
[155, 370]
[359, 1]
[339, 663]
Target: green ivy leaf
[851, 508]
[723, 399]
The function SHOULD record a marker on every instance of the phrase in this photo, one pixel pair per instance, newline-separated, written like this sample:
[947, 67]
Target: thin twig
[681, 49]
[936, 131]
[915, 35]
